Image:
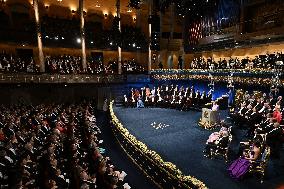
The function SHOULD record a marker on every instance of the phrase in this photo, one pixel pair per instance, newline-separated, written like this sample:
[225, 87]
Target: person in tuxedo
[125, 101]
[254, 119]
[280, 101]
[202, 99]
[239, 115]
[274, 140]
[265, 109]
[259, 104]
[209, 97]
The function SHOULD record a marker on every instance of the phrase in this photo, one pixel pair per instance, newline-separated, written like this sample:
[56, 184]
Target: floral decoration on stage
[158, 126]
[169, 167]
[206, 125]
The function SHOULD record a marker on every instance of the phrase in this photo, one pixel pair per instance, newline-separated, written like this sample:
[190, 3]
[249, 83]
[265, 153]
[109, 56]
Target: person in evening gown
[241, 166]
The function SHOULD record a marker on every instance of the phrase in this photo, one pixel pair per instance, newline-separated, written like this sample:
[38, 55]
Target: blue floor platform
[181, 141]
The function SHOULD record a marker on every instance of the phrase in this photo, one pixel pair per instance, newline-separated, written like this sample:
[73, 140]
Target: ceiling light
[98, 5]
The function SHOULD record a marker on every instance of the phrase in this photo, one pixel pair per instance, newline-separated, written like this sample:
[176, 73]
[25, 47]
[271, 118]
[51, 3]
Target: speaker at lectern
[209, 117]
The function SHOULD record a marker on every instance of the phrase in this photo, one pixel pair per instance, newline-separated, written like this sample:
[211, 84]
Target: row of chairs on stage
[172, 97]
[183, 104]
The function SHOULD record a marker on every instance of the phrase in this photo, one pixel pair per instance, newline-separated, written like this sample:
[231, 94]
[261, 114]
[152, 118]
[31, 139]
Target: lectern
[209, 118]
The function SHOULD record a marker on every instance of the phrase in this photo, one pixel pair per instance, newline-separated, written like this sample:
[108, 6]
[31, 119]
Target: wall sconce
[73, 11]
[105, 15]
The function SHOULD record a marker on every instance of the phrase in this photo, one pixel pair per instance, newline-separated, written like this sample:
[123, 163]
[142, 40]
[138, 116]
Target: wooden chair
[259, 166]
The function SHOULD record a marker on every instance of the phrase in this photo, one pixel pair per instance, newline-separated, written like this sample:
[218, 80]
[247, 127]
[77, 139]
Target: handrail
[71, 78]
[167, 167]
[58, 78]
[256, 72]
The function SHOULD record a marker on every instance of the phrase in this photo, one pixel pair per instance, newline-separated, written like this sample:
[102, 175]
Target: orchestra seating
[54, 146]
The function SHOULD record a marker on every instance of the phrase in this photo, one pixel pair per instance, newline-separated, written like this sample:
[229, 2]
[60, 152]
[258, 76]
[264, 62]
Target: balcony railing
[48, 78]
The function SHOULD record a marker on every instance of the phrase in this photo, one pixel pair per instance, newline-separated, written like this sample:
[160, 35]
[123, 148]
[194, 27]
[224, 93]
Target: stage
[176, 136]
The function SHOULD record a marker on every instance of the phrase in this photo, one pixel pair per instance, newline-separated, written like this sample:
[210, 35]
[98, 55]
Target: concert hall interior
[141, 94]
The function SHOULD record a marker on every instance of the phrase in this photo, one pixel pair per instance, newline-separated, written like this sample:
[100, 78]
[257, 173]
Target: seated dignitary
[217, 139]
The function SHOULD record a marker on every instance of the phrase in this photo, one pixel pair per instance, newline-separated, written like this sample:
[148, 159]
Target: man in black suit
[274, 140]
[238, 116]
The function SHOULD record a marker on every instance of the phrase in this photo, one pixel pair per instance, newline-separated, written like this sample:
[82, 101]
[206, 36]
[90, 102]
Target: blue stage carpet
[181, 141]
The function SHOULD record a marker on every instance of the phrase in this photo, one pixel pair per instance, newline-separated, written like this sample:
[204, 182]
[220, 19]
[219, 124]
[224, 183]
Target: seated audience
[268, 61]
[10, 63]
[256, 115]
[54, 146]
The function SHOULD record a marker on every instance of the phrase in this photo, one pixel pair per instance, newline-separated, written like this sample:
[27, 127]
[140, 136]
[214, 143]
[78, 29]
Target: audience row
[54, 146]
[168, 96]
[12, 63]
[65, 64]
[268, 61]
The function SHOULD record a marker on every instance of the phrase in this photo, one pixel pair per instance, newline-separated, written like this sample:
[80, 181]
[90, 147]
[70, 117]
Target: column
[39, 39]
[242, 25]
[172, 20]
[82, 30]
[119, 28]
[182, 45]
[172, 34]
[150, 33]
[159, 58]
